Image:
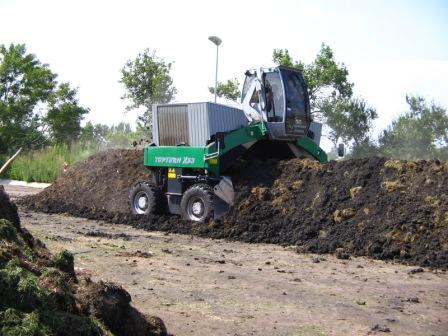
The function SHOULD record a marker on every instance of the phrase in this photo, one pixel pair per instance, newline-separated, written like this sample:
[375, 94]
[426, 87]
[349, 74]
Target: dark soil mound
[373, 207]
[383, 209]
[95, 188]
[8, 210]
[40, 294]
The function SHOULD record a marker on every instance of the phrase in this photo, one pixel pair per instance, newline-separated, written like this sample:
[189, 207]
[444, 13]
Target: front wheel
[144, 198]
[197, 203]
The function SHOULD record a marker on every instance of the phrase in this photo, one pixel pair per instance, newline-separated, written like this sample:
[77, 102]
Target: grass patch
[46, 165]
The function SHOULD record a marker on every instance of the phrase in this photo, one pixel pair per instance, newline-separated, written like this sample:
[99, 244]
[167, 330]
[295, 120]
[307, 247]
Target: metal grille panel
[172, 124]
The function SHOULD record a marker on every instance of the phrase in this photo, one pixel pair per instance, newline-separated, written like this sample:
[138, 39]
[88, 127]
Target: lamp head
[215, 39]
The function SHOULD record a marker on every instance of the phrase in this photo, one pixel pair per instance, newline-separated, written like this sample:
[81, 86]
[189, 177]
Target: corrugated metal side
[172, 121]
[193, 123]
[198, 123]
[225, 118]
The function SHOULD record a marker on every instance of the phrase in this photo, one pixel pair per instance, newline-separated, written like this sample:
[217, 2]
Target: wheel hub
[197, 208]
[142, 202]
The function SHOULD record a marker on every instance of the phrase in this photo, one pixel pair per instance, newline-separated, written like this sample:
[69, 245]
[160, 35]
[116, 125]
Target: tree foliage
[64, 115]
[349, 119]
[282, 57]
[229, 89]
[24, 83]
[93, 133]
[147, 81]
[420, 133]
[116, 136]
[365, 148]
[324, 76]
[331, 96]
[34, 110]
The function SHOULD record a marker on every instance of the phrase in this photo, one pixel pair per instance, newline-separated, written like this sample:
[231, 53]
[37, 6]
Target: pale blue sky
[390, 47]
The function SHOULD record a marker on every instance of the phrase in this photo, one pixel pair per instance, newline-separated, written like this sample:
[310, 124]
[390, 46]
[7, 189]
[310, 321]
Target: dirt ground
[200, 286]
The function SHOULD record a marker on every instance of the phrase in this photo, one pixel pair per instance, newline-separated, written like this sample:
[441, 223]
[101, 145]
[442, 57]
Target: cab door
[275, 104]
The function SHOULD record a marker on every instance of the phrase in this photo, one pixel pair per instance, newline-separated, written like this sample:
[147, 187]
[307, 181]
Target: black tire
[197, 203]
[145, 198]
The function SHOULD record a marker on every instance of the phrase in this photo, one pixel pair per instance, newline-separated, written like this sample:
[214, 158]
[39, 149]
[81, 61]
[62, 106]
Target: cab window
[247, 82]
[275, 105]
[254, 100]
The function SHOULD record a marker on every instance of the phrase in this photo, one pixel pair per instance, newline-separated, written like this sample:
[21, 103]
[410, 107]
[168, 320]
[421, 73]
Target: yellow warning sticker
[213, 161]
[171, 173]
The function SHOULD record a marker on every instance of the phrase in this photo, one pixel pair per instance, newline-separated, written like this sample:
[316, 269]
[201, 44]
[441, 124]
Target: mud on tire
[197, 203]
[145, 198]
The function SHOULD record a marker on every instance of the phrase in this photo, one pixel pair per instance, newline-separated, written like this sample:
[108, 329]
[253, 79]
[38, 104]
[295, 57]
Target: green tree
[64, 115]
[331, 96]
[147, 81]
[366, 148]
[229, 89]
[420, 133]
[121, 136]
[24, 84]
[115, 136]
[325, 77]
[282, 57]
[94, 134]
[350, 120]
[87, 133]
[121, 127]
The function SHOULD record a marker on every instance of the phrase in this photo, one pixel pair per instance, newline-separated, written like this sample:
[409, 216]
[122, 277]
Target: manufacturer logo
[167, 159]
[175, 160]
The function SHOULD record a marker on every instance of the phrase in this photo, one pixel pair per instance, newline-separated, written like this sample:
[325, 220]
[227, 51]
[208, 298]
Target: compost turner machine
[196, 143]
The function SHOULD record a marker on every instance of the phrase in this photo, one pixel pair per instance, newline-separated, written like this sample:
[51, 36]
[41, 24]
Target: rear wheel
[197, 203]
[144, 198]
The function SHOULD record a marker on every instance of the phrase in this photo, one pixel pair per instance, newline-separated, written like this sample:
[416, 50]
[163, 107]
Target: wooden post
[11, 159]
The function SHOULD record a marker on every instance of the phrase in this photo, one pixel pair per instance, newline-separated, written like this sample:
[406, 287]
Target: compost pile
[380, 208]
[95, 188]
[40, 294]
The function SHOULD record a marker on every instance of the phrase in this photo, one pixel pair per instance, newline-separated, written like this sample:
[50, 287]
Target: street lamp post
[217, 41]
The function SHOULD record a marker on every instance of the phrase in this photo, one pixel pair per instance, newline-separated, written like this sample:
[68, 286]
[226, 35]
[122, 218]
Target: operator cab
[279, 97]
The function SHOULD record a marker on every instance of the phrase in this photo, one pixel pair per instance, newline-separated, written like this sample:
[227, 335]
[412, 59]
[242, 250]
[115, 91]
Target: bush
[16, 323]
[7, 230]
[64, 261]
